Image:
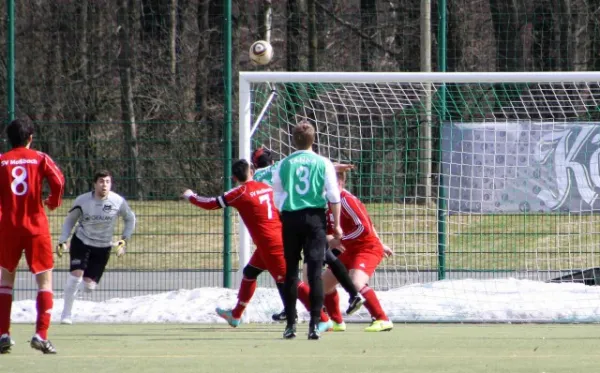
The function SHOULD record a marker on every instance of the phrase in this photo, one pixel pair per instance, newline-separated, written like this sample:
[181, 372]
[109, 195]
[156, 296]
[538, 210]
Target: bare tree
[265, 20]
[293, 39]
[368, 25]
[132, 173]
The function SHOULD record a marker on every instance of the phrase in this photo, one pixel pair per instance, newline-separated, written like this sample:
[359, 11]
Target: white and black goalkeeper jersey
[97, 219]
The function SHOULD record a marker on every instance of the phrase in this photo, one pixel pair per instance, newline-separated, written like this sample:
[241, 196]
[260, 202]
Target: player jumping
[97, 213]
[362, 252]
[254, 202]
[262, 160]
[24, 227]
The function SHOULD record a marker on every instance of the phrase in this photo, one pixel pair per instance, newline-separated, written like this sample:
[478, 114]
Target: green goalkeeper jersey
[304, 180]
[265, 174]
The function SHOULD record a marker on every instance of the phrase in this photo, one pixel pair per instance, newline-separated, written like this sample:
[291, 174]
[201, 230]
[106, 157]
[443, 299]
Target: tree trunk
[313, 42]
[509, 17]
[471, 44]
[368, 24]
[173, 41]
[132, 174]
[579, 35]
[265, 20]
[293, 37]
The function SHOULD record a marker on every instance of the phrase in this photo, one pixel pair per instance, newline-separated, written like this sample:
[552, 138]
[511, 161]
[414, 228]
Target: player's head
[20, 132]
[303, 135]
[262, 157]
[241, 171]
[102, 183]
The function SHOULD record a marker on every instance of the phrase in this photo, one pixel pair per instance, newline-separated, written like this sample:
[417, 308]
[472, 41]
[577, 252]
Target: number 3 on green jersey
[302, 177]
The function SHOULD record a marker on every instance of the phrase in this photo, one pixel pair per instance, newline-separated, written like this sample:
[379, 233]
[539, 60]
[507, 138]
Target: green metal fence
[147, 89]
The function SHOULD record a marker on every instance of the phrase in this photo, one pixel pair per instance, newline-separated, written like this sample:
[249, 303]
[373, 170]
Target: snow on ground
[506, 300]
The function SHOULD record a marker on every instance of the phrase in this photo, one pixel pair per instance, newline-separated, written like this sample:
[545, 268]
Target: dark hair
[262, 157]
[19, 131]
[303, 135]
[239, 169]
[101, 174]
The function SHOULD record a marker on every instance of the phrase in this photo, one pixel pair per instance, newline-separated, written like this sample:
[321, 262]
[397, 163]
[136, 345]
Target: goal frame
[246, 78]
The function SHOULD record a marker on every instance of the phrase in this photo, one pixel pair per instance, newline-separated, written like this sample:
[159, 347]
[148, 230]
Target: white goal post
[512, 184]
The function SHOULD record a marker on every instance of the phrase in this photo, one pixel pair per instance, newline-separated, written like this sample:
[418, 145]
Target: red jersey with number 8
[22, 172]
[254, 202]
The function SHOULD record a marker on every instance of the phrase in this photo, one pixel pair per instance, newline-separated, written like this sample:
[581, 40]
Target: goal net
[485, 185]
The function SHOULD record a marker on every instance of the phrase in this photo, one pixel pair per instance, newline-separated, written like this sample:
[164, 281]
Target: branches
[355, 29]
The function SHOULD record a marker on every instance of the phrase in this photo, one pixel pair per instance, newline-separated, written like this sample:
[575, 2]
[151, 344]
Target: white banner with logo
[521, 166]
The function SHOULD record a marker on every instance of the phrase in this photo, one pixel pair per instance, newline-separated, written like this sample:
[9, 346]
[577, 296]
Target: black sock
[280, 289]
[341, 273]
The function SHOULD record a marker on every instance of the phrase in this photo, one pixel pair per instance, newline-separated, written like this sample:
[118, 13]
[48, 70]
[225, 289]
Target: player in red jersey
[24, 227]
[254, 202]
[362, 251]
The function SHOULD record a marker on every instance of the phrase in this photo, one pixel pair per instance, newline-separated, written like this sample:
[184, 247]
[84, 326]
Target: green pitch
[174, 348]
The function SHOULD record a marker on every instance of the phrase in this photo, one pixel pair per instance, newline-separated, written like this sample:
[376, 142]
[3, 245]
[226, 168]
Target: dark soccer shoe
[354, 304]
[5, 344]
[313, 332]
[289, 332]
[281, 316]
[42, 345]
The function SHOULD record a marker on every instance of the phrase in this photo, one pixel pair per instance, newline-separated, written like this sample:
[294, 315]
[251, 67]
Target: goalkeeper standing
[303, 184]
[97, 213]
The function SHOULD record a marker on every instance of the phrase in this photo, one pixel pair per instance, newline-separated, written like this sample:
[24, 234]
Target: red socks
[5, 307]
[246, 292]
[372, 304]
[304, 296]
[332, 303]
[44, 303]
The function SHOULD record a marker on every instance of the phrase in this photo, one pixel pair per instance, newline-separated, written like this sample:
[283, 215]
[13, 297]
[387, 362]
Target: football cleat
[289, 332]
[226, 314]
[5, 344]
[354, 304]
[281, 316]
[324, 326]
[341, 327]
[313, 331]
[44, 345]
[380, 326]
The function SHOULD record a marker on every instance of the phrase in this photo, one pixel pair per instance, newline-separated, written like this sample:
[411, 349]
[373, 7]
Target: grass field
[177, 235]
[148, 348]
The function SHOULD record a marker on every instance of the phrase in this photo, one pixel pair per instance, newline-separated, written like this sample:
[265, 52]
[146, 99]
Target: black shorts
[304, 234]
[92, 260]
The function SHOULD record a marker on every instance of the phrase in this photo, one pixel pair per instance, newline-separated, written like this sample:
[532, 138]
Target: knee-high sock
[332, 303]
[246, 292]
[314, 268]
[304, 296]
[341, 273]
[372, 303]
[71, 288]
[5, 307]
[44, 303]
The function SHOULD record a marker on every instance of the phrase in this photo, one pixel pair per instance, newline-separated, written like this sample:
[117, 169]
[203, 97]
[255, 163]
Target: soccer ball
[261, 52]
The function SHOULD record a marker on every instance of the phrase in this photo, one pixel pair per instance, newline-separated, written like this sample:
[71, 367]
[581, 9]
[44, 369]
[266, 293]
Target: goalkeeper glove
[61, 248]
[120, 248]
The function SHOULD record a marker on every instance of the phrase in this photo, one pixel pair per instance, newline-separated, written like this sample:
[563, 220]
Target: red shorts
[270, 259]
[365, 260]
[38, 252]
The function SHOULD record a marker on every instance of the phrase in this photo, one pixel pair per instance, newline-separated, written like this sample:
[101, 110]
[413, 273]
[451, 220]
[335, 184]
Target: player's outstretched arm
[213, 203]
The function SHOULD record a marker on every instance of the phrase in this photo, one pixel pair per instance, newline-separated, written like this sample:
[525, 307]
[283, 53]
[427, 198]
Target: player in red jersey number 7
[254, 202]
[362, 253]
[24, 227]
